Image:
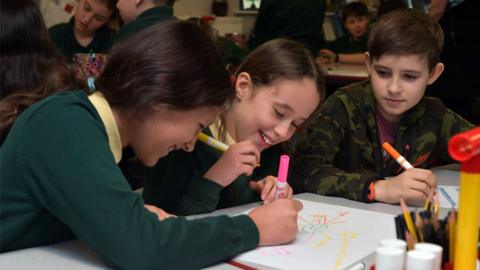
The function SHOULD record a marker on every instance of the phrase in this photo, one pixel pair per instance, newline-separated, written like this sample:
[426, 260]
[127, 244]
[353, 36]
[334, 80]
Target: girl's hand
[277, 221]
[158, 211]
[267, 189]
[414, 185]
[240, 158]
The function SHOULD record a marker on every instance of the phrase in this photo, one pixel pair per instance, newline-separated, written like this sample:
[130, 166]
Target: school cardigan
[176, 183]
[59, 180]
[144, 20]
[342, 154]
[63, 37]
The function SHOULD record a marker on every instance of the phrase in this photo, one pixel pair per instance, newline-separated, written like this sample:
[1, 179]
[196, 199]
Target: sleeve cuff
[366, 189]
[249, 231]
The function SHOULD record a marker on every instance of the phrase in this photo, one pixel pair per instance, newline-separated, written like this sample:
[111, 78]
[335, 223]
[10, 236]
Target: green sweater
[59, 180]
[348, 44]
[341, 154]
[145, 20]
[176, 182]
[64, 38]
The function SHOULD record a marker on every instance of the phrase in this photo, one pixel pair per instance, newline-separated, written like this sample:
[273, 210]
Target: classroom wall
[233, 22]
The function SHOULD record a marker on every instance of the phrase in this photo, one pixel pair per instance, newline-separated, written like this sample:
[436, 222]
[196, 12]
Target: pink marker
[282, 177]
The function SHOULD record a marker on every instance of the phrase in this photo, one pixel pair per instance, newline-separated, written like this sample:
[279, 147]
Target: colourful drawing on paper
[329, 237]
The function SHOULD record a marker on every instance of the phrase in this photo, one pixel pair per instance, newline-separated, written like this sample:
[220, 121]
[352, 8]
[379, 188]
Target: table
[75, 255]
[339, 75]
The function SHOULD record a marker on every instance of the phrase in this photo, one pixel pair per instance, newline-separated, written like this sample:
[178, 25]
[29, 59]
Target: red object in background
[68, 8]
[208, 19]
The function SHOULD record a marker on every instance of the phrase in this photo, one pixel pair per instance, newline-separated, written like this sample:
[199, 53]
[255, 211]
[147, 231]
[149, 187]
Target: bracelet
[337, 57]
[371, 193]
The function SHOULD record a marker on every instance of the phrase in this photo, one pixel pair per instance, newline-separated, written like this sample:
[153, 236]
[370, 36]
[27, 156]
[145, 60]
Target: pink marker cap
[283, 168]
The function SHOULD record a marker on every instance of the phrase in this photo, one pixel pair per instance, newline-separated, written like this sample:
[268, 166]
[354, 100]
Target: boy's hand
[158, 211]
[240, 158]
[414, 185]
[277, 221]
[267, 189]
[325, 56]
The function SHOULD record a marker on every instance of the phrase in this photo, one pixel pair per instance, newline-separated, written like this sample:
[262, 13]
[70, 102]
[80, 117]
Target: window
[249, 4]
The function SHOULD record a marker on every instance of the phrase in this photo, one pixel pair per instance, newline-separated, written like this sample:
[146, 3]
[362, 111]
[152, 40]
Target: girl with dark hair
[29, 58]
[87, 37]
[278, 87]
[31, 65]
[59, 175]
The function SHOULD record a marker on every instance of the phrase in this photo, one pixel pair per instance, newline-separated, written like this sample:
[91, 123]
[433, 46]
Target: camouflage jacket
[341, 153]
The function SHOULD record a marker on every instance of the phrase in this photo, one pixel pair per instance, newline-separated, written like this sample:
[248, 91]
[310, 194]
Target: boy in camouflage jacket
[341, 154]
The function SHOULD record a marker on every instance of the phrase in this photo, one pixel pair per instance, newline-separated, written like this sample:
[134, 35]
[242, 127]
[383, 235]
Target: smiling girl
[277, 87]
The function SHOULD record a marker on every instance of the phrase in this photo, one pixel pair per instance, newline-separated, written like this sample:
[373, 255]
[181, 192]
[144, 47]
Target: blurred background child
[351, 46]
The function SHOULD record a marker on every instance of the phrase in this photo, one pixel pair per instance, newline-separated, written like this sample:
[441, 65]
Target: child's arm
[351, 58]
[315, 163]
[437, 8]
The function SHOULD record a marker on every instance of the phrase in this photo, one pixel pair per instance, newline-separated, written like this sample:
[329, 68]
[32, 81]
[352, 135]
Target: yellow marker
[220, 146]
[212, 142]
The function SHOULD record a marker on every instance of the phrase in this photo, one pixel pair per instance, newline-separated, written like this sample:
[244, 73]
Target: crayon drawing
[329, 237]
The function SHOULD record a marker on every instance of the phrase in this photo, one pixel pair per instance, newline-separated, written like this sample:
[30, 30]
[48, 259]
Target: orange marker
[399, 158]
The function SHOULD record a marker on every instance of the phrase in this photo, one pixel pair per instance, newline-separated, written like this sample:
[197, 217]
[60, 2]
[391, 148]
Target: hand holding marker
[220, 146]
[399, 158]
[212, 142]
[282, 177]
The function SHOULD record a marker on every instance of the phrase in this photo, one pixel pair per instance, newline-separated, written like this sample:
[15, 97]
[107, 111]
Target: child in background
[142, 14]
[351, 46]
[59, 176]
[342, 154]
[278, 87]
[87, 33]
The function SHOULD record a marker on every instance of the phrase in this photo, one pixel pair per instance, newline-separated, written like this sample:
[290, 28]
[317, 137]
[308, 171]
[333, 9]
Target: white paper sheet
[329, 237]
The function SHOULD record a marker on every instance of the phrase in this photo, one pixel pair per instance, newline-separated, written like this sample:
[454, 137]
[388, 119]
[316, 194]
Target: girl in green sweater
[59, 175]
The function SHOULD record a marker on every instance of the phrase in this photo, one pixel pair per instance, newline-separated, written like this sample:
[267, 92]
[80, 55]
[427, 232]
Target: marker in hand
[282, 177]
[212, 142]
[220, 146]
[399, 158]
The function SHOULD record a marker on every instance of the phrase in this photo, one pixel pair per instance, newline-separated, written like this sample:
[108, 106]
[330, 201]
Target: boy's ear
[138, 2]
[368, 62]
[436, 72]
[243, 85]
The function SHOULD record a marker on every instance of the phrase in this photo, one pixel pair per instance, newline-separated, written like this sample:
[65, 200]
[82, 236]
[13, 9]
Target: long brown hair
[31, 68]
[279, 59]
[173, 63]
